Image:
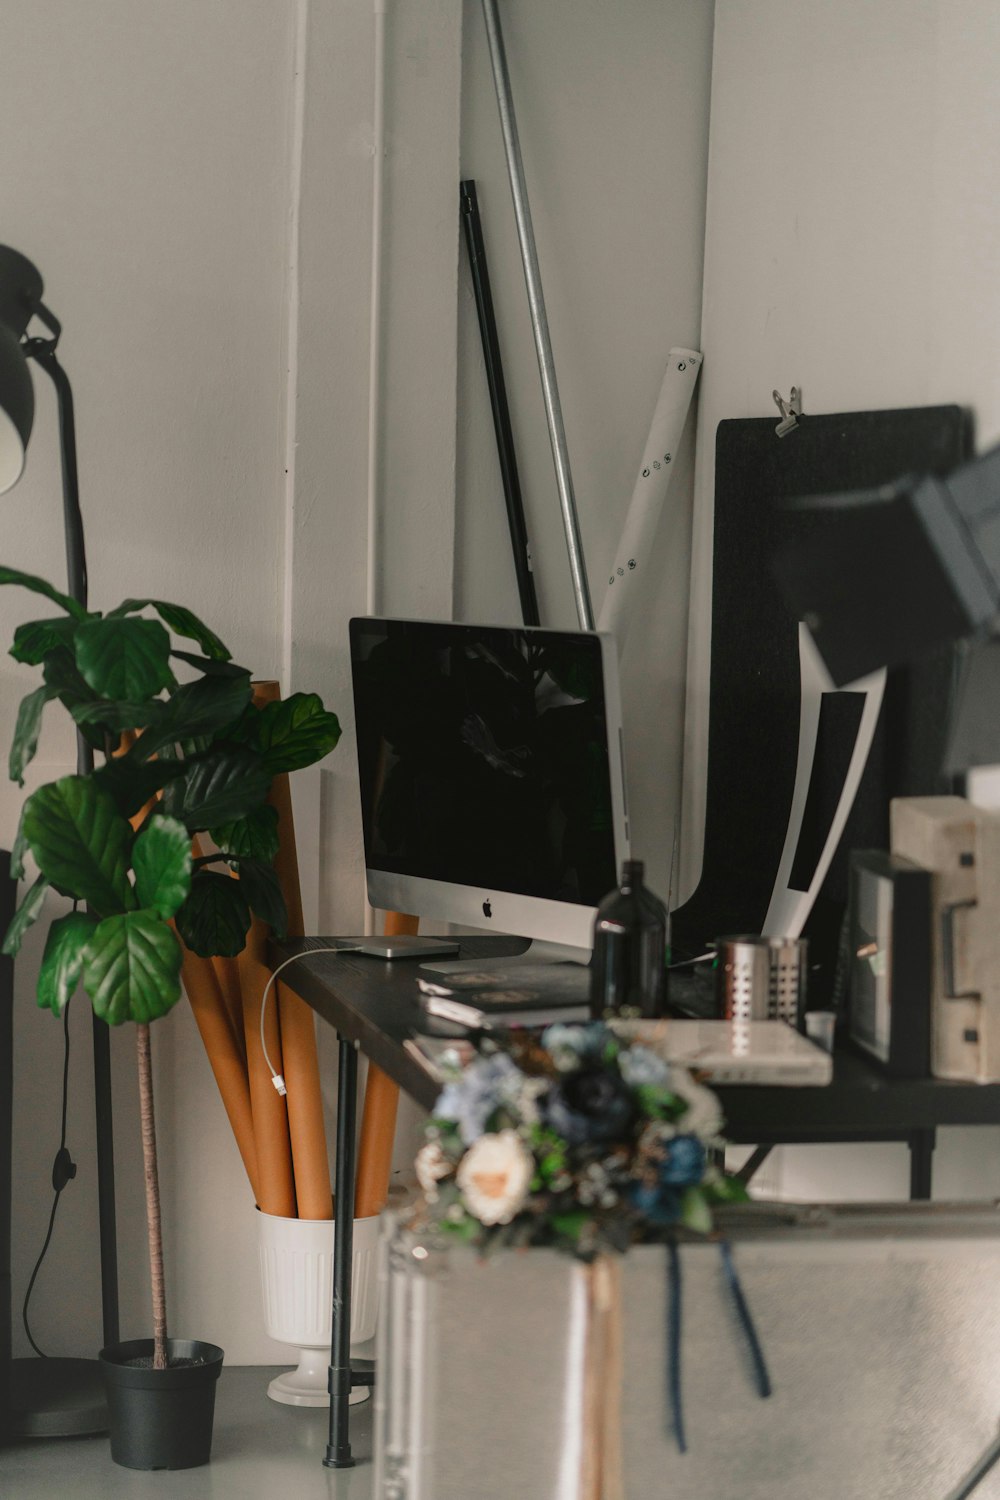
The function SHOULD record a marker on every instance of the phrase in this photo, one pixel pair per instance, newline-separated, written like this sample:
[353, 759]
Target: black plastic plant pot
[161, 1419]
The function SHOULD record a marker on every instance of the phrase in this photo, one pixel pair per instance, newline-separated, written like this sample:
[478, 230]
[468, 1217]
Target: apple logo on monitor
[487, 908]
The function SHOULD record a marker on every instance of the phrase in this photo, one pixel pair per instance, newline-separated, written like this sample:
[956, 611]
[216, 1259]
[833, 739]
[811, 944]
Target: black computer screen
[483, 756]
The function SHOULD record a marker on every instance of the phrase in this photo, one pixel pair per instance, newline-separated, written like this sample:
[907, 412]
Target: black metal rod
[921, 1143]
[8, 902]
[476, 246]
[977, 1473]
[753, 1163]
[42, 351]
[338, 1452]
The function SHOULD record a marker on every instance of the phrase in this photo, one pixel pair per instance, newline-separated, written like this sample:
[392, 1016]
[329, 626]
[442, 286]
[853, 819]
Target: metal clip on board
[790, 410]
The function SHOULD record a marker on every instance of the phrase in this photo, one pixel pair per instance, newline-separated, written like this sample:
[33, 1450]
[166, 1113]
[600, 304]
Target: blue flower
[589, 1106]
[473, 1098]
[641, 1067]
[657, 1203]
[683, 1161]
[581, 1040]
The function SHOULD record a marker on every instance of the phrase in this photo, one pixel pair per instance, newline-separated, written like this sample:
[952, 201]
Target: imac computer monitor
[492, 779]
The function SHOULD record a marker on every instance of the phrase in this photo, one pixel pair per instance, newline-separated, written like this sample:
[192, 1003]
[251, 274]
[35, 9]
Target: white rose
[431, 1165]
[494, 1176]
[703, 1116]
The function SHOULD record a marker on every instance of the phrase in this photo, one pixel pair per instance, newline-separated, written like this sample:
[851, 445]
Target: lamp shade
[17, 408]
[20, 294]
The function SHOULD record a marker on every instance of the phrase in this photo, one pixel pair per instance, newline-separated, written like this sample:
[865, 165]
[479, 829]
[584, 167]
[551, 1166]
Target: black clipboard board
[754, 683]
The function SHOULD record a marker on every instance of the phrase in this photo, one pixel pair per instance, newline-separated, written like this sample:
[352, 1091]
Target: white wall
[851, 251]
[413, 482]
[147, 173]
[196, 188]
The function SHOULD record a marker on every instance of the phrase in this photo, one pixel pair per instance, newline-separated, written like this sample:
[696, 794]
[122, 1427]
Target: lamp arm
[43, 352]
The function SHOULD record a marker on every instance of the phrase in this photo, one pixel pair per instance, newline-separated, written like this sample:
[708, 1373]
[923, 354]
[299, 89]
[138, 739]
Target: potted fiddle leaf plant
[176, 759]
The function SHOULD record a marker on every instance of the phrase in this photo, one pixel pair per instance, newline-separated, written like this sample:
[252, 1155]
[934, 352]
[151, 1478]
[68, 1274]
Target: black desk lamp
[49, 1397]
[881, 576]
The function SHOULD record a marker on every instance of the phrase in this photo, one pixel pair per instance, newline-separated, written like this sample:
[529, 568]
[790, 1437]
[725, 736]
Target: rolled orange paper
[378, 1120]
[378, 1134]
[307, 1131]
[310, 1161]
[276, 1188]
[227, 975]
[224, 1055]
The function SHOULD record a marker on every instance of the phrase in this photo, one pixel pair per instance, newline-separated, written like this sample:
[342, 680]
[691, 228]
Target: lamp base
[57, 1398]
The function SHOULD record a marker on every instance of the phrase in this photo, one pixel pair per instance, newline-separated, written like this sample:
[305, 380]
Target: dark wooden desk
[372, 1005]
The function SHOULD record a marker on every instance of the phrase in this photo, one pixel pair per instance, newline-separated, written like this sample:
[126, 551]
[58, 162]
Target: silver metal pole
[539, 322]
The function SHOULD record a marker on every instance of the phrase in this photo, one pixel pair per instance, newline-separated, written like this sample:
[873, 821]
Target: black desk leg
[338, 1452]
[921, 1143]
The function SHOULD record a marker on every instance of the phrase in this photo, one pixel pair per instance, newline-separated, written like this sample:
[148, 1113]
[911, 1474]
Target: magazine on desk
[531, 995]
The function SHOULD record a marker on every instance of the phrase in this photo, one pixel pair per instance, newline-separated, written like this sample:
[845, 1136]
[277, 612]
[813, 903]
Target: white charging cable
[276, 1078]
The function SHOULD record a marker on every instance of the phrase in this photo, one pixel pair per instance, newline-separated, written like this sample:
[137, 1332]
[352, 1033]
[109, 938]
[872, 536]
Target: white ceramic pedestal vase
[296, 1274]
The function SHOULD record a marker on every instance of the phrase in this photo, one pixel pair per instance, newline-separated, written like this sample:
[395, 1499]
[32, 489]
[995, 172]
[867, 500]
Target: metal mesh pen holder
[762, 978]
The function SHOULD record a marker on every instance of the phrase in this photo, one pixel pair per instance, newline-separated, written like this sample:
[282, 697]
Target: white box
[960, 845]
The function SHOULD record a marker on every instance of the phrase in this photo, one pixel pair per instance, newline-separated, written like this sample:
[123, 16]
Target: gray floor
[260, 1451]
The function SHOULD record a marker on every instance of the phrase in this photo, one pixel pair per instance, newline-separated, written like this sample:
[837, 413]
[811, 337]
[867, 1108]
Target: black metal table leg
[338, 1451]
[921, 1143]
[753, 1163]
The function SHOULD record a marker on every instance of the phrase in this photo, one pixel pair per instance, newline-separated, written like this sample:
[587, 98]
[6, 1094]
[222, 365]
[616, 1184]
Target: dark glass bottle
[628, 971]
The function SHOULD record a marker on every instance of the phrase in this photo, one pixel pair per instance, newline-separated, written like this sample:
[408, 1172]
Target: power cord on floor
[63, 1171]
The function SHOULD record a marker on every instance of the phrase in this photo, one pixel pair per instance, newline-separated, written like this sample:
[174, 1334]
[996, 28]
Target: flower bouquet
[586, 1139]
[577, 1139]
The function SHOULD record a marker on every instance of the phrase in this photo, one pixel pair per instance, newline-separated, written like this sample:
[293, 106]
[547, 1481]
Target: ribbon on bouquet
[762, 1379]
[592, 1468]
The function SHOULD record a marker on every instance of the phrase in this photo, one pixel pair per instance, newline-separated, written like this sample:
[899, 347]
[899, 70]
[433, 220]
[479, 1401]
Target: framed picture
[890, 961]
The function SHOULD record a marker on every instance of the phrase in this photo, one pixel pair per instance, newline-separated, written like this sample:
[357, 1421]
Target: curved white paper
[788, 909]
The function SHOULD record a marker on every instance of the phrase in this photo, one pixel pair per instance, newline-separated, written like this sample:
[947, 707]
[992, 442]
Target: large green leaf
[28, 912]
[61, 674]
[215, 917]
[34, 640]
[181, 622]
[19, 850]
[201, 707]
[132, 782]
[296, 732]
[132, 968]
[81, 842]
[252, 837]
[39, 586]
[261, 888]
[124, 658]
[209, 665]
[226, 784]
[116, 716]
[27, 730]
[161, 858]
[66, 949]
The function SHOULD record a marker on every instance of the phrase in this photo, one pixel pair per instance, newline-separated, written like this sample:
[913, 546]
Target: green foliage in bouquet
[202, 761]
[580, 1139]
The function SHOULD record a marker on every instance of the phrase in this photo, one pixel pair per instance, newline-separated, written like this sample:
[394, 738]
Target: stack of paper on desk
[726, 1052]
